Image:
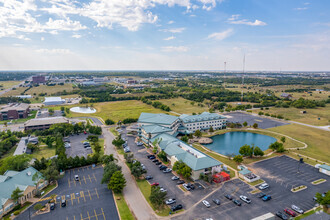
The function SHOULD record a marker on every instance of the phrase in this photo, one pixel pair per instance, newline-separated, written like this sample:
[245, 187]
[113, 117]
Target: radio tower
[224, 75]
[243, 77]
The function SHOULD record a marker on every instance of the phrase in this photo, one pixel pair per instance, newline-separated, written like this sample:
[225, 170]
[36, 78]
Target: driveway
[77, 148]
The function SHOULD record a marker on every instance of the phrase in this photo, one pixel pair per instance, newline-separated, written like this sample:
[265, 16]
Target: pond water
[231, 142]
[83, 110]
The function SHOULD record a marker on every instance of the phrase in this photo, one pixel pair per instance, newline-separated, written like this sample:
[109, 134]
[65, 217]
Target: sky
[273, 35]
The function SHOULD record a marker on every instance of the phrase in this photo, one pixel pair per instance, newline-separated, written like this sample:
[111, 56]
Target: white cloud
[234, 19]
[221, 35]
[42, 38]
[209, 4]
[301, 9]
[170, 22]
[175, 49]
[76, 36]
[169, 38]
[174, 30]
[54, 51]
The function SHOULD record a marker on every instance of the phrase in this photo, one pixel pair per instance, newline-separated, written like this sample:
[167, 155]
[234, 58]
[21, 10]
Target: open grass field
[44, 151]
[116, 111]
[316, 139]
[183, 106]
[311, 117]
[123, 209]
[15, 92]
[49, 89]
[134, 94]
[8, 84]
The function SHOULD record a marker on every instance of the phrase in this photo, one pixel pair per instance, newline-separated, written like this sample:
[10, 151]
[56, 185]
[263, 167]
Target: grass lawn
[183, 106]
[311, 117]
[316, 139]
[114, 131]
[118, 110]
[123, 209]
[15, 92]
[48, 188]
[8, 84]
[44, 151]
[259, 181]
[50, 90]
[134, 94]
[146, 190]
[9, 153]
[21, 120]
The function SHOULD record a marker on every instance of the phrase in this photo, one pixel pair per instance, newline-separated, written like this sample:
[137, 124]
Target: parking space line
[69, 182]
[103, 214]
[88, 215]
[89, 194]
[94, 177]
[74, 217]
[79, 181]
[95, 215]
[75, 184]
[72, 198]
[78, 199]
[89, 178]
[82, 195]
[97, 193]
[81, 218]
[85, 179]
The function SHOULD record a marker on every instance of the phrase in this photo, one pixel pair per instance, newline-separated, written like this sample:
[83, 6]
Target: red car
[155, 184]
[85, 132]
[290, 212]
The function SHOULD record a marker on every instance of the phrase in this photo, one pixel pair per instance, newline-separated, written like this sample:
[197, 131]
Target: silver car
[297, 209]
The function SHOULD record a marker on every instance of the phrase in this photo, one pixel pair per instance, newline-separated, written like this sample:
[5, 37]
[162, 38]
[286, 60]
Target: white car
[170, 201]
[264, 186]
[206, 203]
[245, 199]
[297, 209]
[162, 189]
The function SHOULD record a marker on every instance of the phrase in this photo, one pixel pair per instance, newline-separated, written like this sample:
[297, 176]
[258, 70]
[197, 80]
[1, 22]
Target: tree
[238, 159]
[157, 197]
[36, 178]
[136, 169]
[283, 139]
[181, 168]
[51, 173]
[109, 122]
[38, 206]
[323, 199]
[185, 138]
[162, 155]
[118, 142]
[109, 170]
[246, 150]
[16, 194]
[129, 157]
[245, 124]
[117, 182]
[198, 133]
[211, 129]
[255, 125]
[258, 152]
[17, 163]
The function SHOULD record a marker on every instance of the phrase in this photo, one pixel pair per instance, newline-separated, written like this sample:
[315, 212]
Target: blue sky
[164, 35]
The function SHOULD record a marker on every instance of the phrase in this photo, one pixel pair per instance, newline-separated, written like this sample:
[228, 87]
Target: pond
[83, 110]
[231, 142]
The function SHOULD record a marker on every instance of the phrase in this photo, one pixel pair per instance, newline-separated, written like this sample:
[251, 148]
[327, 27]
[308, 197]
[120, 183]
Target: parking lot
[43, 113]
[85, 199]
[77, 148]
[262, 122]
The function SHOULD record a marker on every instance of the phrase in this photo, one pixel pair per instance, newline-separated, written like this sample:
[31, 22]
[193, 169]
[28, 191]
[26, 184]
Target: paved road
[133, 196]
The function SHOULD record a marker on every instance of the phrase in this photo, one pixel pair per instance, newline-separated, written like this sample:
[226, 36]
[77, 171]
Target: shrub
[17, 212]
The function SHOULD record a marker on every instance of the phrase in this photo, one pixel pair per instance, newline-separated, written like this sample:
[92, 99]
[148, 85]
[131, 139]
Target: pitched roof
[195, 159]
[15, 106]
[324, 166]
[154, 129]
[14, 179]
[157, 118]
[205, 116]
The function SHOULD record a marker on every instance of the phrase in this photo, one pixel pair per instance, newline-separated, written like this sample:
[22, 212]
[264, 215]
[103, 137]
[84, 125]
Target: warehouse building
[43, 123]
[53, 101]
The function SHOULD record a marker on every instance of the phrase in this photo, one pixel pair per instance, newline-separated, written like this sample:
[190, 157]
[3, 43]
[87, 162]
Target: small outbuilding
[221, 177]
[324, 169]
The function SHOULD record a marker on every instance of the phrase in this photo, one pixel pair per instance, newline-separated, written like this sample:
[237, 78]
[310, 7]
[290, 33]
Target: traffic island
[319, 181]
[298, 188]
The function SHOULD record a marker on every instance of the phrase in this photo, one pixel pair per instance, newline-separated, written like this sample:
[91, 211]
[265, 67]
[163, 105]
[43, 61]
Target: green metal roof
[195, 159]
[155, 129]
[205, 116]
[15, 179]
[157, 118]
[244, 171]
[324, 166]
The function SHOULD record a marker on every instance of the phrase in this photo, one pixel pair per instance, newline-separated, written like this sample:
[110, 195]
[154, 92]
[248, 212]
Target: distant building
[38, 79]
[53, 101]
[286, 95]
[43, 123]
[14, 111]
[203, 121]
[23, 180]
[24, 96]
[131, 81]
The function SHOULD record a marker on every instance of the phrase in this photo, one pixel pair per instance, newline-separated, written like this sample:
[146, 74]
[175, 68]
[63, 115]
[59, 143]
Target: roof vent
[29, 173]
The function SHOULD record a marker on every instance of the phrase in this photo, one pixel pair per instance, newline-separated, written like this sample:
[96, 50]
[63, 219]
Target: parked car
[162, 189]
[191, 186]
[185, 185]
[261, 195]
[206, 203]
[76, 177]
[67, 145]
[155, 184]
[264, 186]
[152, 157]
[176, 207]
[266, 198]
[63, 203]
[158, 163]
[167, 170]
[281, 215]
[162, 167]
[297, 209]
[290, 212]
[52, 206]
[245, 199]
[236, 202]
[229, 197]
[155, 160]
[139, 143]
[174, 178]
[127, 150]
[180, 182]
[170, 201]
[148, 177]
[216, 201]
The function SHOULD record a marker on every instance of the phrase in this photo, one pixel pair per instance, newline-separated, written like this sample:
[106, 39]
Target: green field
[8, 84]
[183, 106]
[117, 110]
[311, 117]
[123, 209]
[316, 139]
[44, 151]
[50, 90]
